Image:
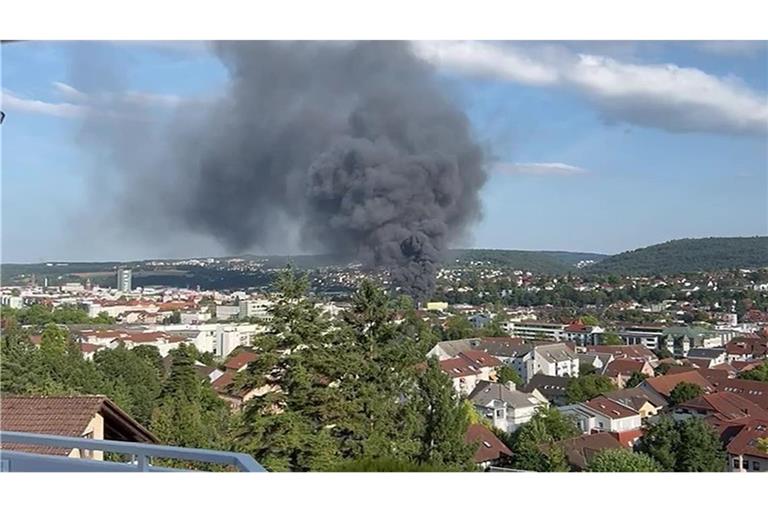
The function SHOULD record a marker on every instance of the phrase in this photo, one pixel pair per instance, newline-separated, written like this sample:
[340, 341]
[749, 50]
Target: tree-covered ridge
[689, 255]
[545, 262]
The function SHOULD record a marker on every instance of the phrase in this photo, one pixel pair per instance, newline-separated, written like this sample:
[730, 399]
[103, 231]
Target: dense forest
[688, 255]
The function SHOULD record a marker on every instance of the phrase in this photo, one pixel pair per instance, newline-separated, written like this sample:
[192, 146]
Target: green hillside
[547, 262]
[689, 255]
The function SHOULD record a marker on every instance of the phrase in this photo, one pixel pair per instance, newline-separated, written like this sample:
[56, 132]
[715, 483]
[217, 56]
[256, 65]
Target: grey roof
[589, 356]
[496, 347]
[486, 392]
[550, 386]
[706, 353]
[635, 397]
[555, 353]
[506, 349]
[454, 347]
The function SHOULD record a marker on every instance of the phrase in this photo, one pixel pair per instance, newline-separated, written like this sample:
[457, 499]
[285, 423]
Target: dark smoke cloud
[353, 143]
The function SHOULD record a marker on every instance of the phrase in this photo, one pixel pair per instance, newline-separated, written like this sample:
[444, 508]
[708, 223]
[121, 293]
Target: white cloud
[540, 168]
[118, 99]
[11, 101]
[665, 96]
[477, 58]
[77, 103]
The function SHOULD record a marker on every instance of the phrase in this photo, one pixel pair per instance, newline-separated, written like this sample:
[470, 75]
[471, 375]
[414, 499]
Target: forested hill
[689, 255]
[547, 262]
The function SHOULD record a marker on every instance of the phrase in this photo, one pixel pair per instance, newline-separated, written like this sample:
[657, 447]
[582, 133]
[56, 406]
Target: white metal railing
[140, 454]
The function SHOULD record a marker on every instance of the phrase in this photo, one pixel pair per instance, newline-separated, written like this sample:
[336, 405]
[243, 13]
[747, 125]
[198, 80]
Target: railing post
[142, 462]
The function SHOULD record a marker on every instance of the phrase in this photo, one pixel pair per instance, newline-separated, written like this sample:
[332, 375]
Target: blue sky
[597, 146]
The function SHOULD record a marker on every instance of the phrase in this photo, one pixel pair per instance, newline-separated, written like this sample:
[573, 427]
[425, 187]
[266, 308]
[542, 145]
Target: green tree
[445, 421]
[589, 320]
[508, 374]
[611, 338]
[661, 442]
[688, 446]
[20, 369]
[188, 411]
[684, 391]
[131, 380]
[458, 327]
[587, 387]
[534, 445]
[635, 379]
[759, 373]
[700, 448]
[621, 460]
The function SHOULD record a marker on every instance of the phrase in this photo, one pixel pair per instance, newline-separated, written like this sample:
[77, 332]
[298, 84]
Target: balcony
[139, 456]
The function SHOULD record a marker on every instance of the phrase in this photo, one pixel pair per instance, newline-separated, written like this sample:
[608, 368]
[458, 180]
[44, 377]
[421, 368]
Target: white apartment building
[219, 339]
[255, 308]
[505, 406]
[227, 311]
[536, 330]
[602, 414]
[556, 360]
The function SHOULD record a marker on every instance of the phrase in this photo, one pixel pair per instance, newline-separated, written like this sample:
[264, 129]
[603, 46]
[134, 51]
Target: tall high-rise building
[124, 280]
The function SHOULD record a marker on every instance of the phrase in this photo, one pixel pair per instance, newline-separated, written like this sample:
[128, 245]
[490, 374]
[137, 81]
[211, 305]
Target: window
[755, 465]
[736, 463]
[744, 464]
[499, 413]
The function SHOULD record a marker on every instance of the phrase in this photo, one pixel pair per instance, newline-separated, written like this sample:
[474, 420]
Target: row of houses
[218, 339]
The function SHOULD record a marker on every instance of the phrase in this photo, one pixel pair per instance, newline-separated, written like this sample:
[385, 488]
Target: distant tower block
[124, 276]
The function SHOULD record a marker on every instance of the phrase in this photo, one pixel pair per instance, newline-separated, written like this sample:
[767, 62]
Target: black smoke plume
[354, 143]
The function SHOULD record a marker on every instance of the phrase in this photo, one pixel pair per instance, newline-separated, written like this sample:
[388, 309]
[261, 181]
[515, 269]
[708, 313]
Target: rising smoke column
[353, 142]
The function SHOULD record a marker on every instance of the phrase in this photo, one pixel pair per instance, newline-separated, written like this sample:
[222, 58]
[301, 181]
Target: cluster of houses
[737, 408]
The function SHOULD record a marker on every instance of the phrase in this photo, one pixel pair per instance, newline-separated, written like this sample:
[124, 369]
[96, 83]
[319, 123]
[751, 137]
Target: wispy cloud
[666, 96]
[540, 168]
[11, 102]
[117, 99]
[76, 103]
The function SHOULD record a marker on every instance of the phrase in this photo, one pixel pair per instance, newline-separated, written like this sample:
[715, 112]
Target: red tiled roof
[743, 366]
[628, 437]
[664, 384]
[580, 450]
[623, 367]
[726, 405]
[240, 360]
[480, 358]
[625, 351]
[60, 416]
[489, 448]
[221, 384]
[610, 408]
[752, 390]
[458, 367]
[87, 348]
[744, 346]
[745, 442]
